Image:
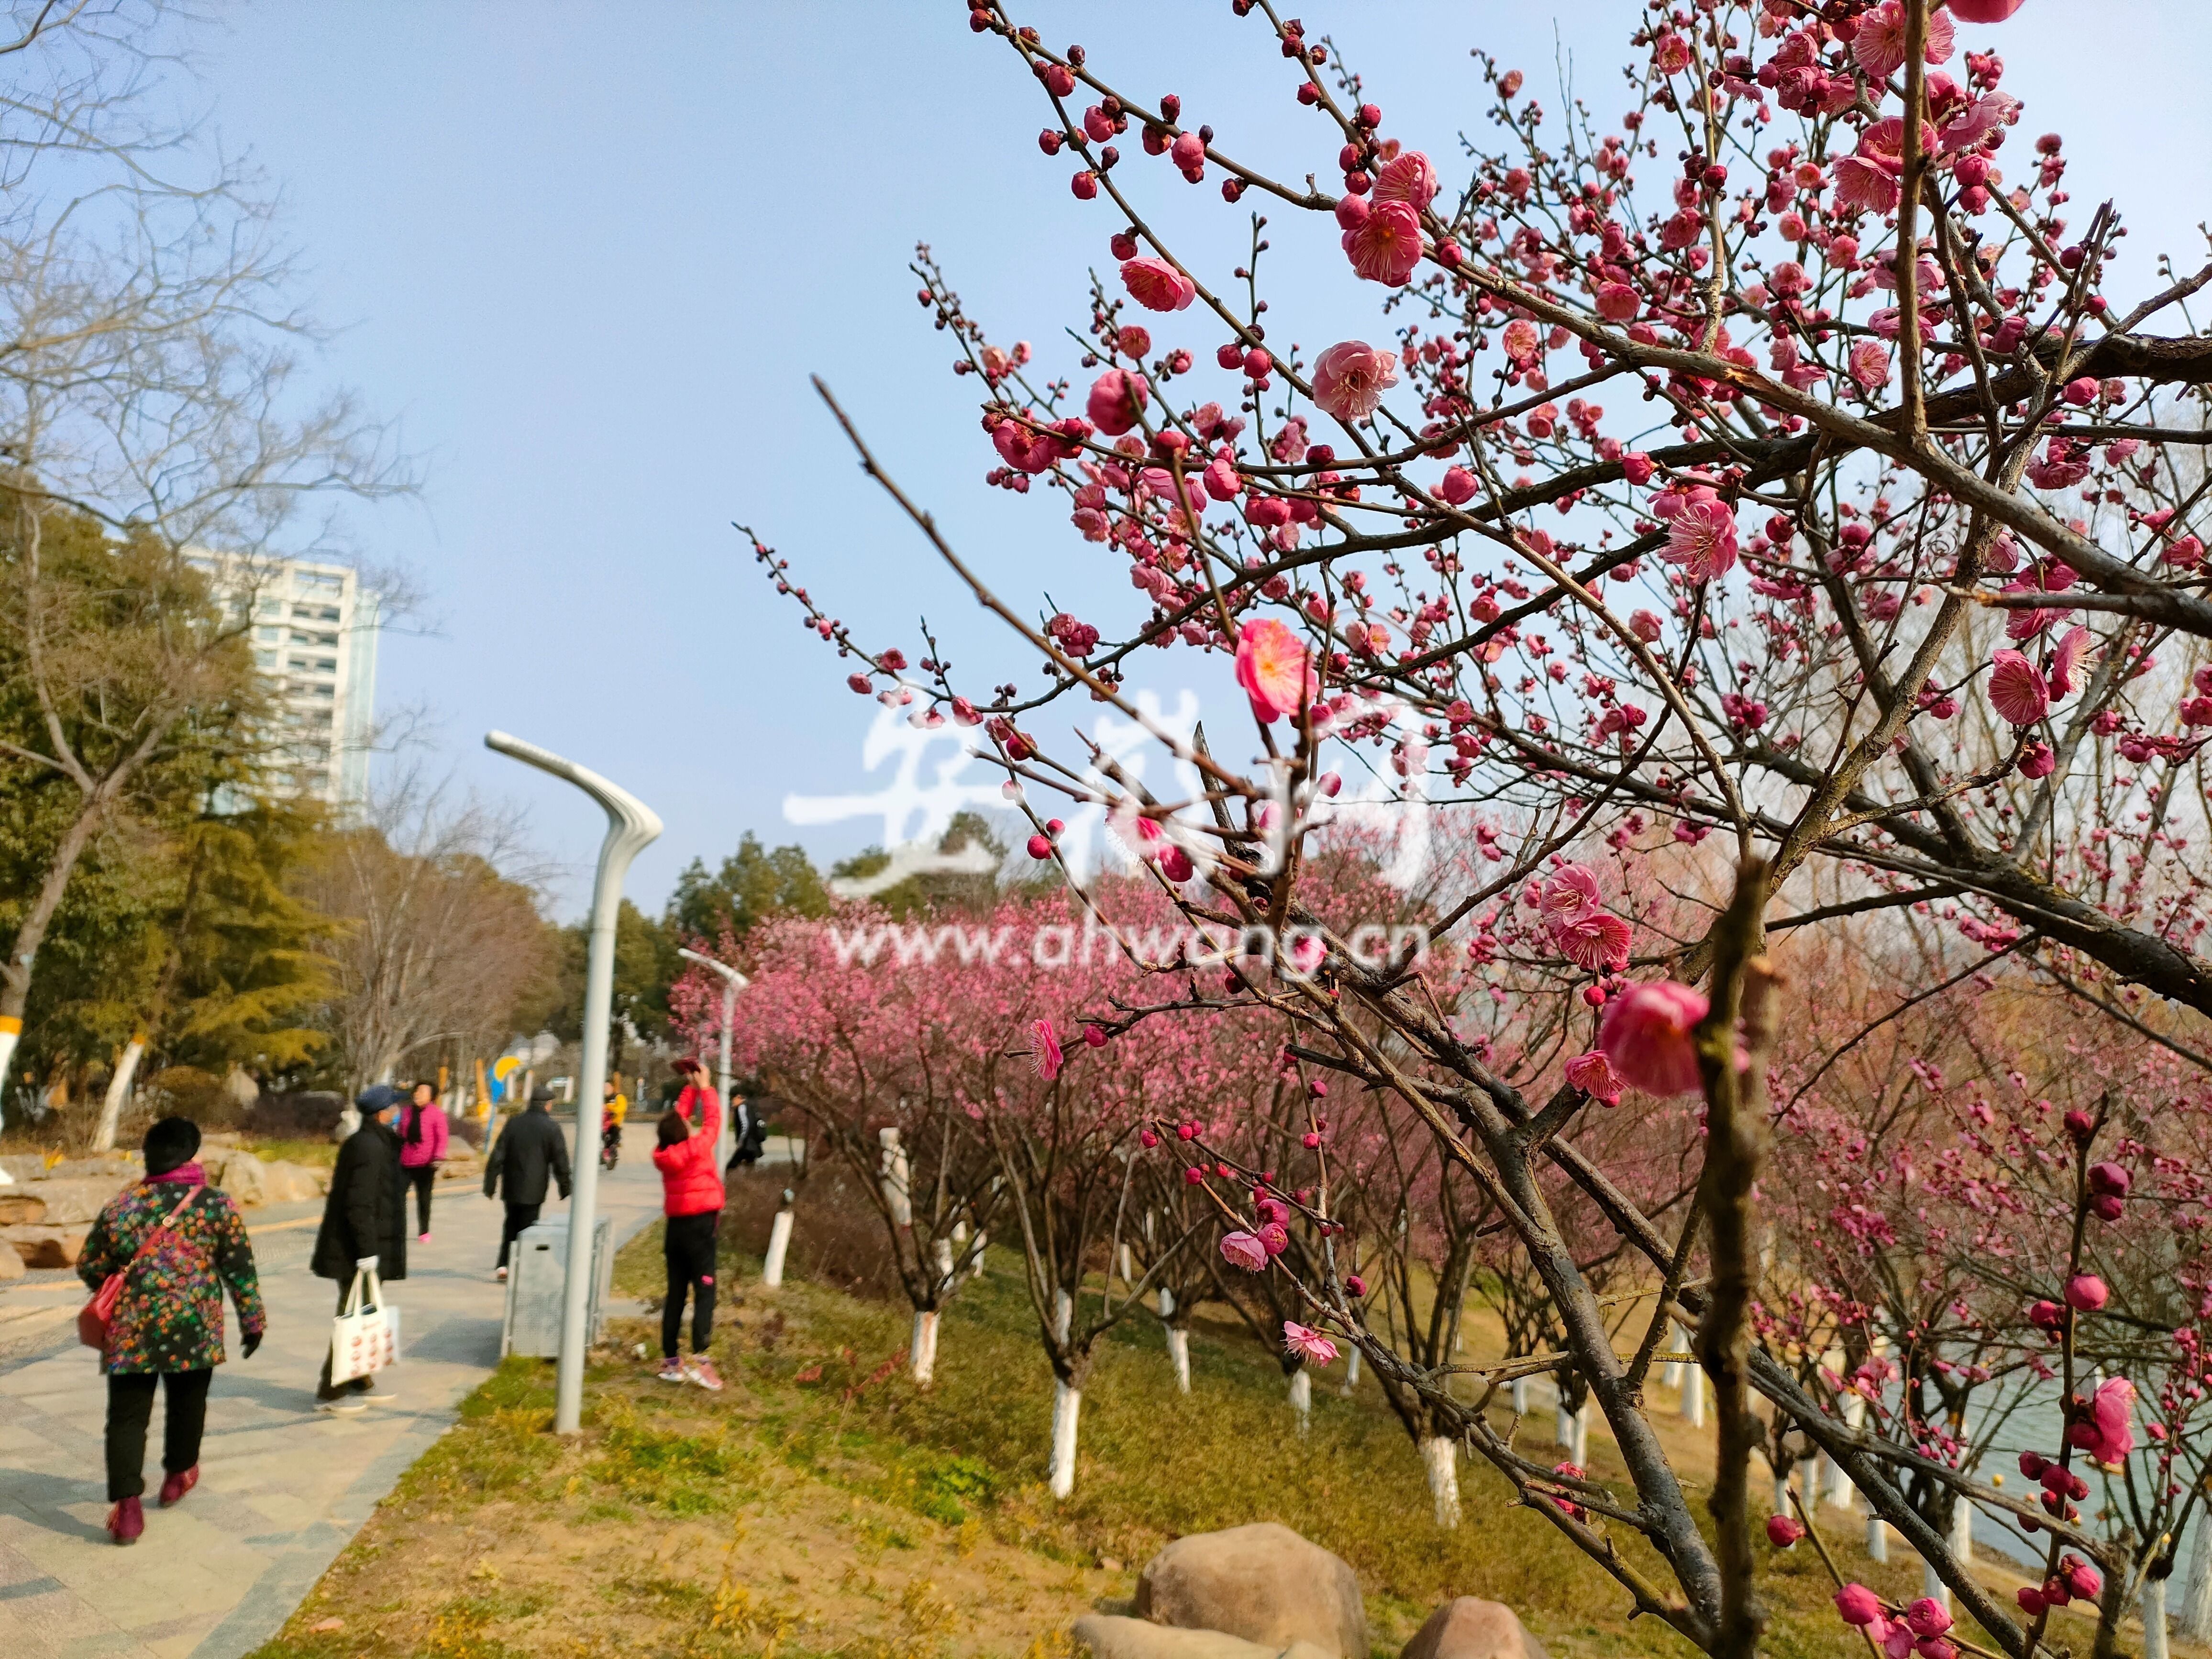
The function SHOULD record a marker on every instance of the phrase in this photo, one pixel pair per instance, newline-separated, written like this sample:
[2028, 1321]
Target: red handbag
[93, 1318]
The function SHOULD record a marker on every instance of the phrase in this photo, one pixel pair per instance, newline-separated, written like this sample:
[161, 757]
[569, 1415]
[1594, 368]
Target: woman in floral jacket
[179, 1244]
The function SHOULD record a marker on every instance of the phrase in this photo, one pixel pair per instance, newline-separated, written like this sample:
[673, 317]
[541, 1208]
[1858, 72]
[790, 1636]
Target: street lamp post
[732, 982]
[631, 825]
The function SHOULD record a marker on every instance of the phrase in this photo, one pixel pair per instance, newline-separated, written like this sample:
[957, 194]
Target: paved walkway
[283, 1488]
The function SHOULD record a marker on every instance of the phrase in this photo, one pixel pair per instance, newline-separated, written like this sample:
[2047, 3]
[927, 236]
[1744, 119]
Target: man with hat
[364, 1227]
[529, 1149]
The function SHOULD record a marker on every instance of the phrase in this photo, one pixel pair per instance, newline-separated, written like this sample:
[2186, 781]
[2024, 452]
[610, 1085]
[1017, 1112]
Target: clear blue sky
[588, 255]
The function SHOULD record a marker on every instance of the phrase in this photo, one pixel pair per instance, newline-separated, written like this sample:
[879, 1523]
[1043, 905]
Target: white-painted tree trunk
[894, 1171]
[1877, 1539]
[1063, 1314]
[1694, 1395]
[10, 1028]
[1066, 1406]
[118, 1092]
[1962, 1530]
[2197, 1599]
[925, 1346]
[1781, 1493]
[1179, 1356]
[982, 1239]
[1440, 1457]
[942, 1253]
[1302, 1398]
[1128, 1266]
[1521, 1396]
[1670, 1374]
[1562, 1422]
[2154, 1618]
[1351, 1372]
[1582, 1435]
[960, 1232]
[779, 1246]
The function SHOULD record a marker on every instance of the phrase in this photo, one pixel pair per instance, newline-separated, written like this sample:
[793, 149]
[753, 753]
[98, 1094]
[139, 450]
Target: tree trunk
[118, 1092]
[925, 1346]
[1066, 1406]
[1302, 1399]
[10, 1028]
[2197, 1600]
[2154, 1619]
[1877, 1538]
[778, 1245]
[1063, 1313]
[1694, 1396]
[1179, 1356]
[1351, 1374]
[1440, 1457]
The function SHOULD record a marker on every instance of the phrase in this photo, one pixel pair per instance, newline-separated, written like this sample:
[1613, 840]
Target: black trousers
[323, 1388]
[518, 1216]
[422, 1178]
[689, 1246]
[131, 1408]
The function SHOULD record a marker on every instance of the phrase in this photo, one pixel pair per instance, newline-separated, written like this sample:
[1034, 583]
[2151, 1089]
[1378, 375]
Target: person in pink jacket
[691, 1194]
[421, 1150]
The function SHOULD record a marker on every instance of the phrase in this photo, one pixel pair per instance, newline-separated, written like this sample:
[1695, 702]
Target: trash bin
[537, 1279]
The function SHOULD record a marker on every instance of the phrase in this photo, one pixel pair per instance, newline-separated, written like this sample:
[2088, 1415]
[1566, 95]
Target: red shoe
[174, 1488]
[126, 1520]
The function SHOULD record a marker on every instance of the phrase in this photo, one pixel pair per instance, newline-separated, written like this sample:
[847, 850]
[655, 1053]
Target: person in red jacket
[691, 1195]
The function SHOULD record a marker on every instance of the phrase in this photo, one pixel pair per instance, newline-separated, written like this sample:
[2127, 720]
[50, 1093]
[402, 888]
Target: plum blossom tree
[1780, 464]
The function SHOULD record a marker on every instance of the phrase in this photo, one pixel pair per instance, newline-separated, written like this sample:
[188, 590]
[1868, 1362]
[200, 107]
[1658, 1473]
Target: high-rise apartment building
[313, 635]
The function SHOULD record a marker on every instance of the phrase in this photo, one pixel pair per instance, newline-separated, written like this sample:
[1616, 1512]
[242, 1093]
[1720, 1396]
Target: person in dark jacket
[748, 1131]
[529, 1149]
[364, 1226]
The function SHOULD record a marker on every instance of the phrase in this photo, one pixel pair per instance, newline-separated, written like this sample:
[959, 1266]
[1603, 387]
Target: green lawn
[823, 1504]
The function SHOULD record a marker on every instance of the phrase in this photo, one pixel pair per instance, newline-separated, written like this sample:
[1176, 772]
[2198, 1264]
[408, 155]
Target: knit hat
[170, 1144]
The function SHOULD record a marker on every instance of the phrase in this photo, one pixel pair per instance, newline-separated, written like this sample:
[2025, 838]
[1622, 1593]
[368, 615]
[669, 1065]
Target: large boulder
[1263, 1583]
[11, 1263]
[74, 1202]
[1106, 1636]
[23, 1166]
[293, 1183]
[46, 1247]
[244, 1176]
[21, 1207]
[1469, 1627]
[116, 1167]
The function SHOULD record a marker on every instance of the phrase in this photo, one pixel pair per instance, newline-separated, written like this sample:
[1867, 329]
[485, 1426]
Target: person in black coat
[364, 1226]
[531, 1153]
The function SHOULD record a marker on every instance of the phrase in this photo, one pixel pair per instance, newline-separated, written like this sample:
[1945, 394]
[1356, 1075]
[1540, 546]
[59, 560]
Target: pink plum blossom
[1349, 378]
[1387, 246]
[1645, 1035]
[1156, 285]
[1271, 666]
[1241, 1250]
[2017, 691]
[1309, 1344]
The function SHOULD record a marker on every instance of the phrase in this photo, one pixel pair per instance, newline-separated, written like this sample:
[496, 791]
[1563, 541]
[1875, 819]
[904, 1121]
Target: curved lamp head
[637, 823]
[724, 968]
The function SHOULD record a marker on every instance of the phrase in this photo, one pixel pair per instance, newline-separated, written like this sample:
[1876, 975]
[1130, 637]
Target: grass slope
[822, 1505]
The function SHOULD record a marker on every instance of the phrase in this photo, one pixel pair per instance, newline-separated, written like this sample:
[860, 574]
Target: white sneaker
[346, 1404]
[378, 1396]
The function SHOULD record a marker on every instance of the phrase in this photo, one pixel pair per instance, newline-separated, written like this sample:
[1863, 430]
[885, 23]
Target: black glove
[246, 1347]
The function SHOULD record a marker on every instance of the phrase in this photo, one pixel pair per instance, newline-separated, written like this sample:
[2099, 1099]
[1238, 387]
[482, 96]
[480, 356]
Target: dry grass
[823, 1505]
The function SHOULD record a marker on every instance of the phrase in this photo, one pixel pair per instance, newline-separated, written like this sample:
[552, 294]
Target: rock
[76, 1201]
[293, 1183]
[245, 1177]
[1262, 1583]
[1106, 1636]
[23, 1166]
[1469, 1627]
[19, 1208]
[116, 1167]
[11, 1264]
[46, 1247]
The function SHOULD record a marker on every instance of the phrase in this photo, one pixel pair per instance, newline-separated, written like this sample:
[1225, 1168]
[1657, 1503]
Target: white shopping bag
[365, 1335]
